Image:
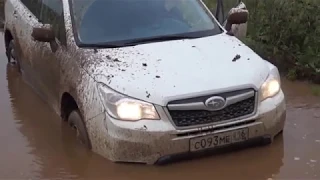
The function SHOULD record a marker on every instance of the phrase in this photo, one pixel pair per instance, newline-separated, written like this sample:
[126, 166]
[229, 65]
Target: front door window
[52, 13]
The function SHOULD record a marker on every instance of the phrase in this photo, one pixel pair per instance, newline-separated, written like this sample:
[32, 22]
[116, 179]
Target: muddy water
[36, 145]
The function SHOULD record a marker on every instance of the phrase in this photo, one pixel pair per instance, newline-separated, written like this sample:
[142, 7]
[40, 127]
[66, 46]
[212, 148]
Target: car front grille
[190, 117]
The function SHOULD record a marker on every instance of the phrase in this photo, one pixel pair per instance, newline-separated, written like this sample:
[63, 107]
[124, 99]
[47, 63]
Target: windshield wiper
[105, 45]
[160, 38]
[138, 41]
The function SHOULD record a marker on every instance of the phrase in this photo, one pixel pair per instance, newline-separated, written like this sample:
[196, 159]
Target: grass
[1, 13]
[315, 90]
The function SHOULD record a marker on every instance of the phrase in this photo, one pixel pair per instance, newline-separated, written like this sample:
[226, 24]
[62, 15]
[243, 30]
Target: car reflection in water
[58, 155]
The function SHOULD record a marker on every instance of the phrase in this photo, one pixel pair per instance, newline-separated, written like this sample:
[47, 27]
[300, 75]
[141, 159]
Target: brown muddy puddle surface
[35, 145]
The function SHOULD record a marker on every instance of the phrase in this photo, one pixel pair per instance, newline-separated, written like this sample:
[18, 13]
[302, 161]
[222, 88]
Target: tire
[11, 55]
[267, 141]
[75, 121]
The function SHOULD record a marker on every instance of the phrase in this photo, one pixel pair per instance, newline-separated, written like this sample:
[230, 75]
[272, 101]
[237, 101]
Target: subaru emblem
[215, 103]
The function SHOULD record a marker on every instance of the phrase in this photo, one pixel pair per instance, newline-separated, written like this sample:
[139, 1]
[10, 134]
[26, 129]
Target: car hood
[164, 71]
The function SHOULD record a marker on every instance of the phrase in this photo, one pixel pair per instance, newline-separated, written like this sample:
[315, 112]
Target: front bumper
[147, 141]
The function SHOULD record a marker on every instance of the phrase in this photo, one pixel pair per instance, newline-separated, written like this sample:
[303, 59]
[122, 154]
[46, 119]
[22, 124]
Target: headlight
[125, 108]
[271, 86]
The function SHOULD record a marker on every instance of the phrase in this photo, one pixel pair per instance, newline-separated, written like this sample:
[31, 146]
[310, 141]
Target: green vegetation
[315, 90]
[1, 12]
[287, 33]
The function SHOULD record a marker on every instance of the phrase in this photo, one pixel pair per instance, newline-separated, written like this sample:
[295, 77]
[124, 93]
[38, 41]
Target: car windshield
[131, 22]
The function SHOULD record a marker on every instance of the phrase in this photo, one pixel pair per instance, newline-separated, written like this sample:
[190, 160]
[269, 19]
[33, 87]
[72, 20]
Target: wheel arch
[7, 37]
[67, 104]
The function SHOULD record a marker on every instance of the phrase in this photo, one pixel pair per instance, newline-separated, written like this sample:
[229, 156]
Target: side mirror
[236, 16]
[43, 34]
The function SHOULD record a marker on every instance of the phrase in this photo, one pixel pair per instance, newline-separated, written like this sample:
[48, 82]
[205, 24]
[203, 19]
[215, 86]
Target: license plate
[221, 139]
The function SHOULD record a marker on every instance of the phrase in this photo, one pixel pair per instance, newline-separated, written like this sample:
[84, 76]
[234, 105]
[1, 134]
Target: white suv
[146, 80]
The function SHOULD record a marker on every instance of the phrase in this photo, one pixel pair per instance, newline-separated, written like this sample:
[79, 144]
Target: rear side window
[34, 6]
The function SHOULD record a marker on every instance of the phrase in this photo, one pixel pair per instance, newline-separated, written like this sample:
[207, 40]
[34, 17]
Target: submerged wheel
[11, 55]
[267, 140]
[75, 121]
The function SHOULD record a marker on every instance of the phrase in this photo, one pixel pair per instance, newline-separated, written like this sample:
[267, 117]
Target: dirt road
[35, 145]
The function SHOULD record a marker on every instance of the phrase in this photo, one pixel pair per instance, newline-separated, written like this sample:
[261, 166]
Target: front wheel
[75, 121]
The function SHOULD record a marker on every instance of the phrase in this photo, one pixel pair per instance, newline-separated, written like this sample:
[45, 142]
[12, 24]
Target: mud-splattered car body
[175, 78]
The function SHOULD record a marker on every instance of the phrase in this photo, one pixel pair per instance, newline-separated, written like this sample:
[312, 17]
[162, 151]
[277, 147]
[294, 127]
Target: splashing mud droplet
[148, 94]
[116, 60]
[237, 57]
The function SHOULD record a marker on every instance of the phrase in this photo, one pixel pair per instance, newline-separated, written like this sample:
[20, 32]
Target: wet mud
[35, 144]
